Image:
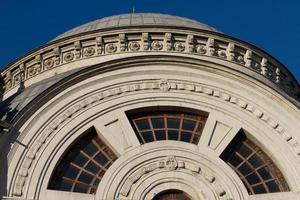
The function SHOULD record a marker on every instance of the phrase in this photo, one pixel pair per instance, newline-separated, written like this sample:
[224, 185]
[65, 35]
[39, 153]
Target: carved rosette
[134, 46]
[171, 163]
[88, 52]
[69, 57]
[157, 45]
[201, 49]
[178, 46]
[49, 63]
[111, 48]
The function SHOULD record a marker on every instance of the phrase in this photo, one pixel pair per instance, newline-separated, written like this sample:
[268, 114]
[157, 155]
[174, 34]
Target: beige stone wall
[233, 100]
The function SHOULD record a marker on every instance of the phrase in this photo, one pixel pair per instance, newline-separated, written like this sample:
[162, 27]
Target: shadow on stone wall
[8, 136]
[3, 171]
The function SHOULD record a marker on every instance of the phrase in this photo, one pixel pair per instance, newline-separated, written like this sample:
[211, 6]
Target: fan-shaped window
[153, 126]
[257, 171]
[83, 165]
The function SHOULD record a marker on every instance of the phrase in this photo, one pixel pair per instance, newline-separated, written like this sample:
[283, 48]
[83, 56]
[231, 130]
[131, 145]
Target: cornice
[200, 43]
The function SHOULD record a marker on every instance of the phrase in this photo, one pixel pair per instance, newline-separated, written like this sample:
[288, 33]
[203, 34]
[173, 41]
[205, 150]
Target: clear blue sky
[273, 25]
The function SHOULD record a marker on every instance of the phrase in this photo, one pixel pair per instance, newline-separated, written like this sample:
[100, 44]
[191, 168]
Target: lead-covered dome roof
[136, 20]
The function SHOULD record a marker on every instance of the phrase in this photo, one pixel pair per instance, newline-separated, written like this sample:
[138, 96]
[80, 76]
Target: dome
[135, 20]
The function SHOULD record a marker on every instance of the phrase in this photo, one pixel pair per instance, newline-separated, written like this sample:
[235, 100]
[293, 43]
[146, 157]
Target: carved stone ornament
[201, 49]
[49, 63]
[179, 46]
[111, 48]
[171, 163]
[69, 57]
[157, 45]
[241, 59]
[164, 85]
[134, 46]
[222, 53]
[89, 52]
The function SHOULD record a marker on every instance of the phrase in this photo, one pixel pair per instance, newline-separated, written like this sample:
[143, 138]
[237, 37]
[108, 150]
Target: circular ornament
[69, 57]
[157, 45]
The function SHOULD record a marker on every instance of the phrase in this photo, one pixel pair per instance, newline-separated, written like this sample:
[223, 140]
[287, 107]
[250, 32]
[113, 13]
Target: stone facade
[108, 73]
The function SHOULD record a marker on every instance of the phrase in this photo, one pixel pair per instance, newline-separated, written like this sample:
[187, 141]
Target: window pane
[91, 167]
[85, 178]
[259, 189]
[186, 136]
[80, 159]
[172, 135]
[253, 179]
[235, 160]
[101, 159]
[142, 124]
[255, 161]
[245, 169]
[273, 186]
[188, 125]
[90, 149]
[81, 188]
[264, 173]
[158, 122]
[148, 137]
[65, 185]
[245, 151]
[160, 134]
[173, 123]
[71, 172]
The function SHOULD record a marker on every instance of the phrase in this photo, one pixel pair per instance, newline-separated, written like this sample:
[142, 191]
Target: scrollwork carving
[168, 41]
[99, 43]
[122, 41]
[145, 39]
[230, 52]
[191, 43]
[56, 52]
[211, 51]
[77, 47]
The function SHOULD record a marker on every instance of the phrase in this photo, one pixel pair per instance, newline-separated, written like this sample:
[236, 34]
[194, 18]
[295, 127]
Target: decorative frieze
[233, 52]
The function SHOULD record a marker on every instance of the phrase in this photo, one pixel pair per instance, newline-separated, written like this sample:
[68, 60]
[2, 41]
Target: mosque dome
[137, 20]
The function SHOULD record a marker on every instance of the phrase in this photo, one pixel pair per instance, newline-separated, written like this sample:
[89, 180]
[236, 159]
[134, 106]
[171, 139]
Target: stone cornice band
[61, 52]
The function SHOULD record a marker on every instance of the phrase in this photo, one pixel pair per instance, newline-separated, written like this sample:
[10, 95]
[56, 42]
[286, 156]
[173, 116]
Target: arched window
[168, 125]
[255, 168]
[82, 167]
[172, 195]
